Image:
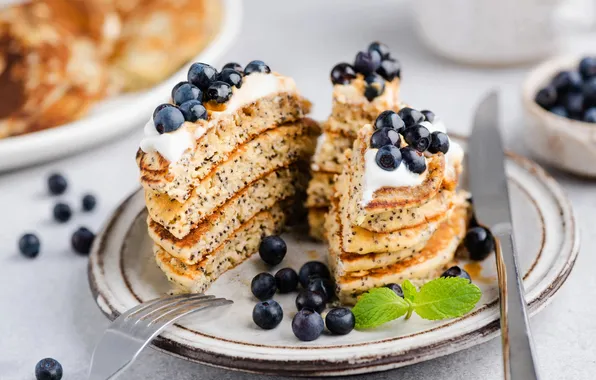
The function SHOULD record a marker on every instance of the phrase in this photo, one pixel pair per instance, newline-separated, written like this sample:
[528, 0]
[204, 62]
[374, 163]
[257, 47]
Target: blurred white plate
[112, 116]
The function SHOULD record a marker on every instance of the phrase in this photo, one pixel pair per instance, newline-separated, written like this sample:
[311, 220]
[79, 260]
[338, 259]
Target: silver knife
[488, 184]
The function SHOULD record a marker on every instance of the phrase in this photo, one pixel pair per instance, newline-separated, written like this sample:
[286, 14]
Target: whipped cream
[170, 145]
[354, 92]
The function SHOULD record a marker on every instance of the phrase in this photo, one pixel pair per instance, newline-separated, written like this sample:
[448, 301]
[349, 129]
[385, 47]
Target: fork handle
[518, 357]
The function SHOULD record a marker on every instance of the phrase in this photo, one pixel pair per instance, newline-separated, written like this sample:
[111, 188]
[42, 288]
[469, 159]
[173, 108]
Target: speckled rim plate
[122, 273]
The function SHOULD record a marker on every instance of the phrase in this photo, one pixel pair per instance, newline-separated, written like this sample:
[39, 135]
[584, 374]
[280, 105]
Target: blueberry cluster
[205, 84]
[375, 64]
[572, 94]
[317, 290]
[407, 123]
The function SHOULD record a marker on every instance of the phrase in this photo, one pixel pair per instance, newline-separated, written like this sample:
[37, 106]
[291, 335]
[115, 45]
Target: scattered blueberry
[167, 118]
[272, 249]
[233, 66]
[410, 116]
[81, 240]
[57, 184]
[231, 77]
[89, 202]
[286, 280]
[263, 286]
[567, 81]
[307, 325]
[388, 157]
[323, 286]
[396, 288]
[413, 159]
[193, 110]
[48, 369]
[29, 245]
[385, 136]
[201, 75]
[186, 92]
[375, 85]
[310, 300]
[313, 269]
[367, 63]
[417, 137]
[590, 115]
[389, 119]
[587, 67]
[381, 48]
[219, 92]
[573, 103]
[546, 97]
[479, 242]
[267, 314]
[589, 91]
[439, 142]
[342, 73]
[456, 271]
[428, 116]
[62, 212]
[389, 69]
[559, 110]
[340, 321]
[256, 67]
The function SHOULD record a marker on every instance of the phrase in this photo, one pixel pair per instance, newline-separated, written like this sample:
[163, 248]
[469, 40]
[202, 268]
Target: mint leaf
[444, 298]
[410, 290]
[378, 306]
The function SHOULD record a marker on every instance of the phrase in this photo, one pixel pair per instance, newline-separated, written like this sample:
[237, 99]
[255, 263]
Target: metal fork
[126, 337]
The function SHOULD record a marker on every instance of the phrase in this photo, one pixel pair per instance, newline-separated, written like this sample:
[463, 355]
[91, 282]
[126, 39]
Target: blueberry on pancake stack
[360, 92]
[221, 167]
[395, 212]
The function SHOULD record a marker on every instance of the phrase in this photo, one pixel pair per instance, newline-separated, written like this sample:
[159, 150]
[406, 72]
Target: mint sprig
[441, 298]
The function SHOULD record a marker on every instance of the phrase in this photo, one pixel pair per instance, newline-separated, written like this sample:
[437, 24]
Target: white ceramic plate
[122, 273]
[113, 116]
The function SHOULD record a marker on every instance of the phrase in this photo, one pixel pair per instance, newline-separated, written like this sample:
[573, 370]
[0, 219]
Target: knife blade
[488, 185]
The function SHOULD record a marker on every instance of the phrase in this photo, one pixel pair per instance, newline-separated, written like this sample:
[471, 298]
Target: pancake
[320, 189]
[256, 197]
[329, 155]
[316, 222]
[240, 246]
[421, 267]
[266, 153]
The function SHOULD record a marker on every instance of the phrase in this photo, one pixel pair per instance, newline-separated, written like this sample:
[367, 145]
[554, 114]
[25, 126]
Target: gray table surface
[46, 308]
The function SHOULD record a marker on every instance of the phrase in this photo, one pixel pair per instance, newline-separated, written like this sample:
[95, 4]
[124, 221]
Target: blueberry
[307, 325]
[186, 92]
[267, 314]
[219, 92]
[89, 202]
[272, 249]
[231, 77]
[176, 87]
[590, 115]
[62, 212]
[342, 73]
[57, 184]
[379, 47]
[574, 104]
[479, 242]
[167, 118]
[367, 63]
[388, 157]
[567, 81]
[313, 269]
[439, 142]
[587, 67]
[410, 116]
[193, 110]
[375, 85]
[559, 110]
[389, 119]
[340, 321]
[323, 286]
[417, 137]
[201, 75]
[428, 116]
[589, 91]
[396, 288]
[81, 240]
[29, 245]
[389, 69]
[310, 300]
[48, 369]
[256, 67]
[286, 280]
[546, 97]
[233, 66]
[413, 159]
[263, 286]
[385, 136]
[456, 271]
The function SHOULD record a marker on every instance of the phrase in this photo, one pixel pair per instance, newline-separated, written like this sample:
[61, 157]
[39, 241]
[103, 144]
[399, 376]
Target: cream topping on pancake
[354, 92]
[170, 145]
[455, 152]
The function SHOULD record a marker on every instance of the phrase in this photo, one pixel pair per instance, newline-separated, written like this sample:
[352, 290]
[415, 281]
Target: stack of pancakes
[400, 232]
[350, 111]
[209, 210]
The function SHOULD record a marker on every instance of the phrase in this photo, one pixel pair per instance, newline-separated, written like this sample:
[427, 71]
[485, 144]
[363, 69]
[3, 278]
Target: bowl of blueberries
[559, 98]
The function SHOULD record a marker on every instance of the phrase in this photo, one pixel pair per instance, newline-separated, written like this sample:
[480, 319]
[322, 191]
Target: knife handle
[518, 356]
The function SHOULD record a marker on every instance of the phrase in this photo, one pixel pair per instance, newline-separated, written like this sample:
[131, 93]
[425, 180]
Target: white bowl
[564, 143]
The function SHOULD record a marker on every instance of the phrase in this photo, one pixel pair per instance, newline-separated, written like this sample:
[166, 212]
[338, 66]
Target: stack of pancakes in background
[393, 233]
